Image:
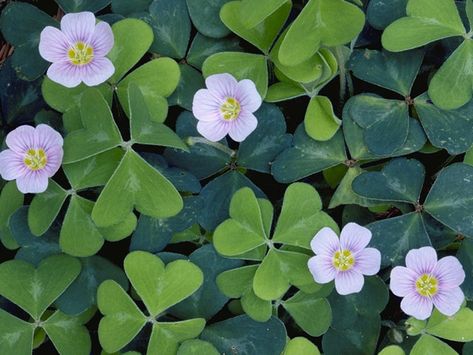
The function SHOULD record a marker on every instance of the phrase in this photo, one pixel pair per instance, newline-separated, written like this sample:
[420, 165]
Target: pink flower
[78, 50]
[426, 282]
[346, 259]
[35, 154]
[226, 107]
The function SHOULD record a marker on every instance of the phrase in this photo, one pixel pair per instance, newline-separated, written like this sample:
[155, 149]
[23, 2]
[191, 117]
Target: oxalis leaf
[248, 230]
[159, 287]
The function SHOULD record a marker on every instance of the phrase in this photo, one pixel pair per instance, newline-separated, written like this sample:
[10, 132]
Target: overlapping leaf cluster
[152, 240]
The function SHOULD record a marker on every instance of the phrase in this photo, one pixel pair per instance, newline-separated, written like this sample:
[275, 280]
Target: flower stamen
[230, 109]
[427, 285]
[343, 260]
[81, 54]
[35, 159]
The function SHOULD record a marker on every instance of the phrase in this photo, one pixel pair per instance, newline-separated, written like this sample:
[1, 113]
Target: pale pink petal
[403, 281]
[417, 306]
[325, 242]
[21, 139]
[243, 126]
[102, 40]
[54, 155]
[206, 106]
[34, 182]
[47, 137]
[448, 302]
[422, 260]
[368, 261]
[321, 268]
[213, 131]
[348, 282]
[53, 45]
[65, 73]
[449, 272]
[78, 27]
[11, 165]
[354, 237]
[247, 95]
[97, 71]
[222, 85]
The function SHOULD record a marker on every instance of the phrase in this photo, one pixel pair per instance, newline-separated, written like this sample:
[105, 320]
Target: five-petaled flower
[426, 281]
[34, 155]
[78, 50]
[344, 260]
[226, 107]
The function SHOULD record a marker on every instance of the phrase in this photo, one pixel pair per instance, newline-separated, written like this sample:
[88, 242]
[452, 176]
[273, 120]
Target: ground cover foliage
[151, 239]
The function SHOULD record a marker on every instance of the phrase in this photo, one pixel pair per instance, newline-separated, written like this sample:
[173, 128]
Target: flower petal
[368, 261]
[47, 137]
[65, 73]
[97, 71]
[247, 95]
[11, 165]
[348, 282]
[34, 182]
[325, 242]
[206, 106]
[102, 40]
[354, 237]
[422, 260]
[403, 281]
[417, 306]
[321, 268]
[213, 131]
[449, 272]
[243, 126]
[448, 302]
[78, 27]
[54, 155]
[21, 139]
[222, 85]
[53, 45]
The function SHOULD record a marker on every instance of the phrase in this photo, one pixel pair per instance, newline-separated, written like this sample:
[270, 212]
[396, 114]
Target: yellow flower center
[230, 109]
[343, 260]
[81, 53]
[427, 285]
[35, 159]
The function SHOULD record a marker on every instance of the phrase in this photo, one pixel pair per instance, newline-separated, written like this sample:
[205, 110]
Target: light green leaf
[158, 286]
[241, 66]
[456, 328]
[427, 344]
[122, 319]
[253, 13]
[263, 35]
[137, 184]
[34, 290]
[392, 350]
[452, 85]
[197, 347]
[165, 337]
[320, 122]
[17, 335]
[100, 132]
[132, 40]
[45, 207]
[157, 80]
[300, 345]
[244, 230]
[321, 23]
[427, 21]
[143, 129]
[68, 334]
